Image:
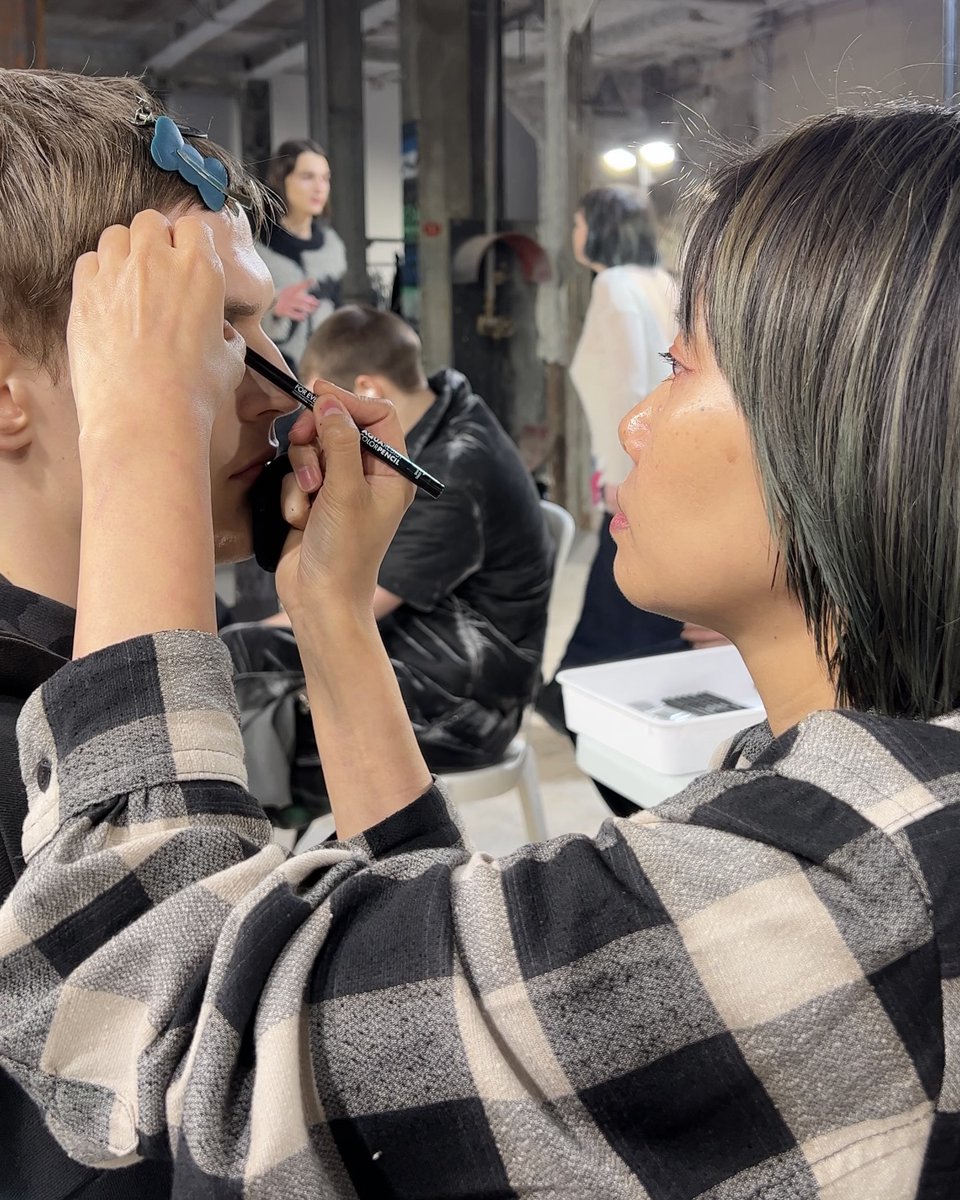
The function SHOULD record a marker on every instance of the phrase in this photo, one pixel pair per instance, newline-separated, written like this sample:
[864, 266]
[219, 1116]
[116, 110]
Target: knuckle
[148, 217]
[111, 234]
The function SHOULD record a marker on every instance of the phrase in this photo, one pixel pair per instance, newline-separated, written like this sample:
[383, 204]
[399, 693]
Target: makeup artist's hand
[372, 765]
[146, 338]
[333, 557]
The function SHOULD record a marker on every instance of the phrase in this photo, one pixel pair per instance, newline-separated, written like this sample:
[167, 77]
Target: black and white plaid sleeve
[720, 1001]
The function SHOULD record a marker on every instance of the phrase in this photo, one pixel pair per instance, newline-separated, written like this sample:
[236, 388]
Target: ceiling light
[620, 159]
[658, 154]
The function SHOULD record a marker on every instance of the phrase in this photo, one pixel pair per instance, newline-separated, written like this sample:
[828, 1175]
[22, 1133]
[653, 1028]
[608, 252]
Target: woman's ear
[16, 431]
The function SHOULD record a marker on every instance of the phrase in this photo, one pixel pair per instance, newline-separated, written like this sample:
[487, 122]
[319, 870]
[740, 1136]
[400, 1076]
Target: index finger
[376, 415]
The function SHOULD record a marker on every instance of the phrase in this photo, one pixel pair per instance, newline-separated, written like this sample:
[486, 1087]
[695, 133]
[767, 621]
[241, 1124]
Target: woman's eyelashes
[676, 366]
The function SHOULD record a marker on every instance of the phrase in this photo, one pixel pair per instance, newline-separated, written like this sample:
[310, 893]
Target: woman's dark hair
[620, 227]
[283, 162]
[825, 269]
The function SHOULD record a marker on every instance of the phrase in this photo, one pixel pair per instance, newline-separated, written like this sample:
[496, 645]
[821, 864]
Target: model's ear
[16, 428]
[368, 385]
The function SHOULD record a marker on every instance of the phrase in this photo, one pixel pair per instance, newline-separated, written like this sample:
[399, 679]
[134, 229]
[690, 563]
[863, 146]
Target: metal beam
[225, 19]
[294, 58]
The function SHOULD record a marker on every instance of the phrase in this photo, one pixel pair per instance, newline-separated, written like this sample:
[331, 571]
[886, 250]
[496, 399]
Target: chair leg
[528, 785]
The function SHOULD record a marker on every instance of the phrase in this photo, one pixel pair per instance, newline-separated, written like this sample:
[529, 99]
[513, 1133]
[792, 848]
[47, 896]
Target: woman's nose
[635, 429]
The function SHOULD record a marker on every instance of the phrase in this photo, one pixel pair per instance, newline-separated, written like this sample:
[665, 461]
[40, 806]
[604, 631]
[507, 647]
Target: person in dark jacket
[463, 590]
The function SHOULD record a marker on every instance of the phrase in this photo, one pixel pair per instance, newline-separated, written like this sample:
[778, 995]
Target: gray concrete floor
[570, 801]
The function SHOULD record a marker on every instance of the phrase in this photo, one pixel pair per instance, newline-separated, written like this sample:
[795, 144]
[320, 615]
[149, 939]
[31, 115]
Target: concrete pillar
[315, 33]
[435, 53]
[345, 140]
[561, 304]
[949, 51]
[22, 41]
[255, 140]
[447, 72]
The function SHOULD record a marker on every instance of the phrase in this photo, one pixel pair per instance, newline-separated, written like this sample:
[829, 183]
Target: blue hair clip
[208, 175]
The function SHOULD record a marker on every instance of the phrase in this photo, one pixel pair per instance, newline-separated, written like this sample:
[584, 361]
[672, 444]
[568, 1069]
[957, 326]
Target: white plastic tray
[601, 703]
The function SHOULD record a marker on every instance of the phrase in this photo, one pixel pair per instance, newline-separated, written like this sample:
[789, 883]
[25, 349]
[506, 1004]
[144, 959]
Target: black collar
[36, 619]
[290, 246]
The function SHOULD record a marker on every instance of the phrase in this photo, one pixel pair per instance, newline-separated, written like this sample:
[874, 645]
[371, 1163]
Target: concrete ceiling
[185, 41]
[217, 41]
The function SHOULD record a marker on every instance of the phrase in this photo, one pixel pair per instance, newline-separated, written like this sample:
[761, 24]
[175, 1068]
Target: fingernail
[329, 407]
[308, 478]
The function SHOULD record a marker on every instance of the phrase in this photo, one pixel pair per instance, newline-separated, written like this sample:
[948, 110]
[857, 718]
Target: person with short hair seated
[462, 594]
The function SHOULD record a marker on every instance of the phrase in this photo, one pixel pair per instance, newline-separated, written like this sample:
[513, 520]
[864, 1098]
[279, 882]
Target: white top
[327, 265]
[631, 320]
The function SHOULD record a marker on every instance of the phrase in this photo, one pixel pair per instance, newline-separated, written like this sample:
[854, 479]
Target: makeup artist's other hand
[333, 557]
[146, 337]
[295, 301]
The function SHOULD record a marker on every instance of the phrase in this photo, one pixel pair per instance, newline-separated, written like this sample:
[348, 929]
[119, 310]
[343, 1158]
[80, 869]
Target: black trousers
[610, 628]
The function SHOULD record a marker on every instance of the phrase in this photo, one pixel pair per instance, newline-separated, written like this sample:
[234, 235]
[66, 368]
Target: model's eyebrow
[236, 310]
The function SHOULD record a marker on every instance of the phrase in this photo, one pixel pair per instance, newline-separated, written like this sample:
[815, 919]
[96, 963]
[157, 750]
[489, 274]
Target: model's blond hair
[72, 162]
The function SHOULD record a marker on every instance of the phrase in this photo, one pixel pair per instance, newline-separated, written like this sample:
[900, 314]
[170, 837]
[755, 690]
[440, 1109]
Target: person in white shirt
[630, 323]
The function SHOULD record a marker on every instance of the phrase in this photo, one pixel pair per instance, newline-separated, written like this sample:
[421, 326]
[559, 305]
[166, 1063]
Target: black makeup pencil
[393, 458]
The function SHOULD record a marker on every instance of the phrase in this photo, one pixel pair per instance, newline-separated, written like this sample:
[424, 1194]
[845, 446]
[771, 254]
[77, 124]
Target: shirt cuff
[429, 823]
[154, 710]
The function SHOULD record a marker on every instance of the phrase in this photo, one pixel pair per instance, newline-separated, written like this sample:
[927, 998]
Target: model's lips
[253, 468]
[619, 523]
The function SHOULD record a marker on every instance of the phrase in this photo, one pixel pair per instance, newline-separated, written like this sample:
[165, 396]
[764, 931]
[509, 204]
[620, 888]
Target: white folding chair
[518, 767]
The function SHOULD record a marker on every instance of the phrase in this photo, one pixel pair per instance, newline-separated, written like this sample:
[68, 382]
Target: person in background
[463, 590]
[305, 255]
[307, 261]
[620, 358]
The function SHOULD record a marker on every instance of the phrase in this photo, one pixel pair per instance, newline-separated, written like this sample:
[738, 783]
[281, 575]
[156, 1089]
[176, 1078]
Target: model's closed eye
[241, 310]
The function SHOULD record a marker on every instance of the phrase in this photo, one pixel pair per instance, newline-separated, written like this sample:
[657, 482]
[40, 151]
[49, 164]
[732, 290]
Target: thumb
[339, 440]
[305, 284]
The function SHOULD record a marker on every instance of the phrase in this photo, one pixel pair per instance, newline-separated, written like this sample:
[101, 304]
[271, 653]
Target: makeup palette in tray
[670, 712]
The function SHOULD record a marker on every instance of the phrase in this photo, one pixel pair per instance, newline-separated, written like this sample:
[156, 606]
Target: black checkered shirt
[753, 991]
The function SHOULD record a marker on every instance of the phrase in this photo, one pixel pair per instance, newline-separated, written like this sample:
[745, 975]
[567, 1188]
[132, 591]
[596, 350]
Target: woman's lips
[619, 523]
